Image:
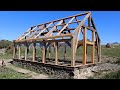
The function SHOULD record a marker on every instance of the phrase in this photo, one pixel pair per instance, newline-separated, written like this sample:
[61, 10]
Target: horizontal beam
[89, 42]
[90, 28]
[67, 17]
[41, 39]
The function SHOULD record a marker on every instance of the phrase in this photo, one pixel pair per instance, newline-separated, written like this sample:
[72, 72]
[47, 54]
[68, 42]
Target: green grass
[112, 75]
[6, 73]
[6, 56]
[112, 52]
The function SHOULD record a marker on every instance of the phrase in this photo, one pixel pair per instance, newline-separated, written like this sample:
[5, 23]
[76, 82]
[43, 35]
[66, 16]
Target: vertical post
[65, 53]
[14, 50]
[89, 20]
[93, 46]
[19, 51]
[49, 52]
[43, 50]
[33, 52]
[72, 52]
[26, 51]
[56, 53]
[99, 52]
[84, 46]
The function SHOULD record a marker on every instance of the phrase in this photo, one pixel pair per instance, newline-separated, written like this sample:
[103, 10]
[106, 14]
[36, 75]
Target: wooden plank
[65, 26]
[84, 46]
[43, 30]
[48, 34]
[93, 47]
[56, 53]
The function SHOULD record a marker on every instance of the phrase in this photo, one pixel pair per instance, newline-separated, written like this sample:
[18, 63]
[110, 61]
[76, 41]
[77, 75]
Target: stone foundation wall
[55, 72]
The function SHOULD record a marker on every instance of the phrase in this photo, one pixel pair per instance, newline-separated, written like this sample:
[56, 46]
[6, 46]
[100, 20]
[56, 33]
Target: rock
[108, 45]
[2, 63]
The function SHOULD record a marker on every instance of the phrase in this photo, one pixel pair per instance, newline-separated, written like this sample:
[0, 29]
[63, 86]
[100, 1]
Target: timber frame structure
[58, 31]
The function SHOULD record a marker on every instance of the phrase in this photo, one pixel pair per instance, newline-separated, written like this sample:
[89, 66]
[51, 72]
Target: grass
[6, 73]
[111, 52]
[6, 56]
[117, 62]
[112, 75]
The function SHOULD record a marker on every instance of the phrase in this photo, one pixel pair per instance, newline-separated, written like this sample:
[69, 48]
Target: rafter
[43, 30]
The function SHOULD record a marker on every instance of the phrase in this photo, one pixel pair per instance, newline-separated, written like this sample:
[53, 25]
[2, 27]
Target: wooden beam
[81, 23]
[56, 53]
[48, 34]
[90, 28]
[89, 42]
[34, 53]
[27, 33]
[14, 50]
[99, 52]
[49, 51]
[43, 30]
[93, 47]
[89, 21]
[84, 46]
[26, 52]
[19, 51]
[65, 53]
[36, 31]
[41, 39]
[72, 52]
[24, 34]
[65, 26]
[78, 30]
[77, 15]
[43, 52]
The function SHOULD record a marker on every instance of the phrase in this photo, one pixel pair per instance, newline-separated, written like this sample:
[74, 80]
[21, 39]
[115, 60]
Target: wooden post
[14, 50]
[26, 51]
[56, 53]
[19, 51]
[65, 53]
[99, 51]
[93, 46]
[33, 52]
[84, 46]
[43, 50]
[72, 52]
[49, 52]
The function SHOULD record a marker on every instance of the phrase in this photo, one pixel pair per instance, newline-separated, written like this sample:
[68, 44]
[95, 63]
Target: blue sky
[15, 23]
